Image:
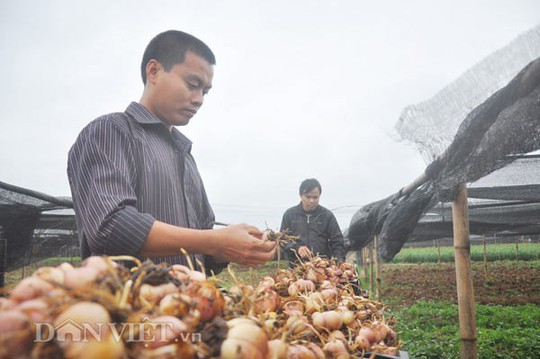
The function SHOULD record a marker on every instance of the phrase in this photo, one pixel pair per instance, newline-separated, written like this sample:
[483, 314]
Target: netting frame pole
[465, 289]
[378, 279]
[365, 264]
[485, 258]
[371, 272]
[3, 262]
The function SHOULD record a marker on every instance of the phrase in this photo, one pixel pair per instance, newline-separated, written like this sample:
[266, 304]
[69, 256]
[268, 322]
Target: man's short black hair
[169, 48]
[309, 185]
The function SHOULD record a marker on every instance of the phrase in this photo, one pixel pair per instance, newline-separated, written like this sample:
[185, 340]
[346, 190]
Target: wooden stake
[371, 284]
[378, 262]
[485, 257]
[517, 249]
[498, 252]
[438, 254]
[465, 290]
[364, 259]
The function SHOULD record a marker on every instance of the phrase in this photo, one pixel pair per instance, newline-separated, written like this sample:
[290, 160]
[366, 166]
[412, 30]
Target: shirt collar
[142, 115]
[145, 117]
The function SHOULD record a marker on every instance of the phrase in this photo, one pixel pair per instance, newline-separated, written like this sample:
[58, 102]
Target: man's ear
[152, 69]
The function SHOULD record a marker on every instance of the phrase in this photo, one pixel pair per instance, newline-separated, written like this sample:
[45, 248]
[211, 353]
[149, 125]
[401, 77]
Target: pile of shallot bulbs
[102, 309]
[306, 312]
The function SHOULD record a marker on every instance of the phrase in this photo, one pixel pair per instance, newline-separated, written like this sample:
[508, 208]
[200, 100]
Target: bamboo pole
[371, 284]
[438, 253]
[465, 290]
[495, 240]
[365, 266]
[485, 257]
[378, 263]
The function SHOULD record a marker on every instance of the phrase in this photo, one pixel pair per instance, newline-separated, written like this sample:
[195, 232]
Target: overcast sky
[301, 88]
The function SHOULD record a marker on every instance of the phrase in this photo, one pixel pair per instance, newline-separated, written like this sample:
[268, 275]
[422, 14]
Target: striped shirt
[127, 170]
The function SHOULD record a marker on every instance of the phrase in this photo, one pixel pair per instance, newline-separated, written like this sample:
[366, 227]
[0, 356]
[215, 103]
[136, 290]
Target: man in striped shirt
[135, 185]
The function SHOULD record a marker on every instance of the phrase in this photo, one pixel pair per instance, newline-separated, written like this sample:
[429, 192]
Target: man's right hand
[304, 252]
[243, 244]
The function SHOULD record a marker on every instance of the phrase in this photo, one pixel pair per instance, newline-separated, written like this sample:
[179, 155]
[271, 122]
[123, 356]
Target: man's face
[178, 94]
[310, 200]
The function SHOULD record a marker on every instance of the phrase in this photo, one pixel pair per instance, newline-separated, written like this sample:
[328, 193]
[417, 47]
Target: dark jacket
[318, 230]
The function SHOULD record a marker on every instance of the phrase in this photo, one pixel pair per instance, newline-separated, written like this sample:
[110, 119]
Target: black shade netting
[34, 226]
[503, 123]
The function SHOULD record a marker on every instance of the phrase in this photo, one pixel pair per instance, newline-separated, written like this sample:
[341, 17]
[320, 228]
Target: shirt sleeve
[102, 174]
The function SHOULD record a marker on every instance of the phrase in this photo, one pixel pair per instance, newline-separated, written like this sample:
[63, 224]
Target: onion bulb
[277, 349]
[336, 349]
[245, 339]
[330, 320]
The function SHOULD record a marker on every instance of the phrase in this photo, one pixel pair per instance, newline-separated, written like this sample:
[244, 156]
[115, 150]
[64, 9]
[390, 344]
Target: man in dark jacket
[316, 226]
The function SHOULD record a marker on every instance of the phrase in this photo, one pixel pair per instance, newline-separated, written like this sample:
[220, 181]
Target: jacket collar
[301, 210]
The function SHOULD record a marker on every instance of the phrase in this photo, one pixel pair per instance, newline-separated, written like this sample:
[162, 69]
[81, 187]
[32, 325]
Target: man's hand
[304, 252]
[244, 244]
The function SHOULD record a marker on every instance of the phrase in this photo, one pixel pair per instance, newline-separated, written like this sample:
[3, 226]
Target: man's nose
[197, 98]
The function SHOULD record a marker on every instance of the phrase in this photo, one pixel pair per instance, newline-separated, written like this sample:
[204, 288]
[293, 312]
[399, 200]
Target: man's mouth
[189, 111]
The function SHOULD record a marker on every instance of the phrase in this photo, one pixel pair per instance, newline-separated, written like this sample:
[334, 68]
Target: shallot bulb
[163, 330]
[330, 320]
[267, 282]
[241, 290]
[50, 274]
[101, 264]
[207, 298]
[314, 302]
[337, 335]
[301, 286]
[94, 317]
[65, 266]
[81, 277]
[16, 339]
[336, 349]
[330, 296]
[300, 352]
[266, 301]
[311, 275]
[315, 349]
[35, 309]
[176, 304]
[346, 314]
[154, 294]
[283, 277]
[277, 349]
[245, 339]
[327, 285]
[297, 324]
[30, 288]
[380, 330]
[6, 304]
[293, 307]
[185, 274]
[365, 338]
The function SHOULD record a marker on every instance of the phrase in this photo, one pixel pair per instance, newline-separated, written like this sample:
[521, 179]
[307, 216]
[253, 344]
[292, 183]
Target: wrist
[212, 242]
